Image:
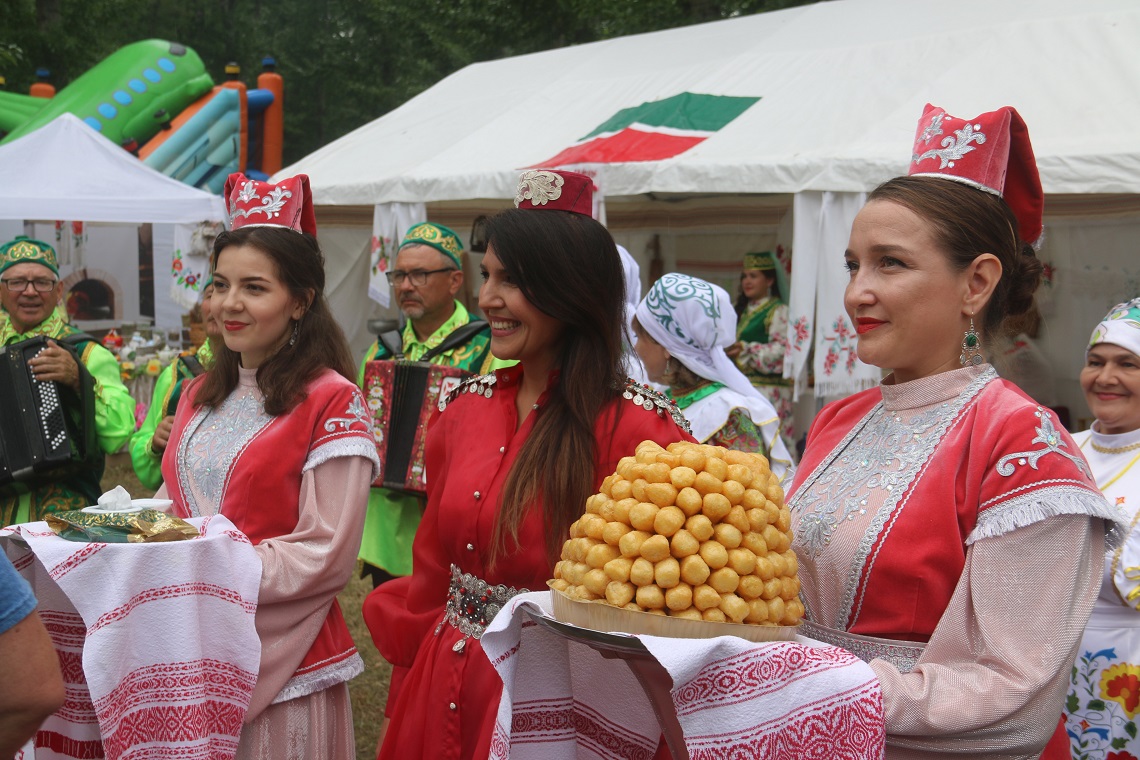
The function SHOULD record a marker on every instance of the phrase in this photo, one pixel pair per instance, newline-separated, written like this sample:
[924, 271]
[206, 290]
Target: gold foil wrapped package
[145, 526]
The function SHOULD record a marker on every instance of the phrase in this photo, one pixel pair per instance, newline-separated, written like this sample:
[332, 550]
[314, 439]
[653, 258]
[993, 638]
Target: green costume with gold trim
[754, 327]
[167, 390]
[393, 516]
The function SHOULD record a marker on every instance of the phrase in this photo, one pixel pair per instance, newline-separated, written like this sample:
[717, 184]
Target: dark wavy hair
[742, 300]
[320, 345]
[568, 267]
[968, 222]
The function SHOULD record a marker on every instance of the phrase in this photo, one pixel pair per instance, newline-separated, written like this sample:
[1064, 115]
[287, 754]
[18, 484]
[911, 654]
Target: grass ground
[369, 691]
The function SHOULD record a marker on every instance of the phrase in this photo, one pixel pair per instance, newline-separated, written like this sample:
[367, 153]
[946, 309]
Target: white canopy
[65, 170]
[841, 86]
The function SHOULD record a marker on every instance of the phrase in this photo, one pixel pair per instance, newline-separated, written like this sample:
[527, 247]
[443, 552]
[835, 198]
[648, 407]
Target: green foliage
[345, 62]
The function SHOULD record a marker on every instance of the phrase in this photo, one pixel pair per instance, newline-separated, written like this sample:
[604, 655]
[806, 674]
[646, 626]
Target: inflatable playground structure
[155, 99]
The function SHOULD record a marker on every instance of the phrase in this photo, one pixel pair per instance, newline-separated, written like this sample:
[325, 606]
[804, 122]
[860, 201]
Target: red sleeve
[623, 425]
[400, 614]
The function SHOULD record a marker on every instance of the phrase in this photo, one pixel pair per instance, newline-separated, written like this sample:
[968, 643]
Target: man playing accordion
[30, 296]
[426, 277]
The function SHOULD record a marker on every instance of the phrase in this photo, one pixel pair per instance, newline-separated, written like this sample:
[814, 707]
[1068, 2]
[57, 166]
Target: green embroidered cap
[24, 250]
[441, 238]
[762, 260]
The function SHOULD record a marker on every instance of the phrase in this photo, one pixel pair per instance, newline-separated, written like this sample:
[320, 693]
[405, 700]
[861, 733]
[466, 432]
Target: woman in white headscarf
[683, 326]
[1104, 698]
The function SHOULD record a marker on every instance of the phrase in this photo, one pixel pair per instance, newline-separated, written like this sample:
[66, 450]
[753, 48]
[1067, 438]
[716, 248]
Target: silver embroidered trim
[649, 399]
[221, 435]
[933, 129]
[1043, 503]
[344, 447]
[904, 655]
[879, 453]
[271, 204]
[484, 385]
[355, 414]
[539, 187]
[1047, 434]
[472, 603]
[954, 148]
[319, 680]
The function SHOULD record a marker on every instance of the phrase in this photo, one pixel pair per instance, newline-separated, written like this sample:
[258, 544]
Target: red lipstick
[867, 324]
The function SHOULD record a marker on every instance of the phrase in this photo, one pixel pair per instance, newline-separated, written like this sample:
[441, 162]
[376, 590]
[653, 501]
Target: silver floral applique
[955, 147]
[355, 414]
[1047, 434]
[933, 129]
[539, 187]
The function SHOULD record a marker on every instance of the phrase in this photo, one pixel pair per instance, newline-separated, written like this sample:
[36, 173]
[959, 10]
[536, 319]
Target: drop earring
[971, 347]
[293, 337]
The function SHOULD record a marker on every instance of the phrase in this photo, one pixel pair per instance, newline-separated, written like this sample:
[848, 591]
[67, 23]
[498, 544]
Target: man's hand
[56, 364]
[734, 350]
[161, 435]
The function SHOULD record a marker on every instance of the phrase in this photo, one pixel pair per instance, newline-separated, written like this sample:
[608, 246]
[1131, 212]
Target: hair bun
[1023, 282]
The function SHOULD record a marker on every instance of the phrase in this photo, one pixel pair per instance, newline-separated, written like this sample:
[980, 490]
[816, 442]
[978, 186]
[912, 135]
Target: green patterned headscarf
[24, 250]
[1120, 327]
[441, 238]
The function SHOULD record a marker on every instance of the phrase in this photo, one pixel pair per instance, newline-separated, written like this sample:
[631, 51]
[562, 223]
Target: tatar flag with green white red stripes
[655, 130]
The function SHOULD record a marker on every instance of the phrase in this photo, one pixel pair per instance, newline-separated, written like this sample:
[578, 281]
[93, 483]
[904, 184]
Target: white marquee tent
[840, 84]
[67, 171]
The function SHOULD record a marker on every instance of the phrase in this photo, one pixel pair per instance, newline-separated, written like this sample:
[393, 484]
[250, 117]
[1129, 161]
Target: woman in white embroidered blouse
[1103, 696]
[947, 528]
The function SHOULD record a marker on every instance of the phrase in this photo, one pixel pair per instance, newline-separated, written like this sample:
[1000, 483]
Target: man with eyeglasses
[426, 277]
[30, 293]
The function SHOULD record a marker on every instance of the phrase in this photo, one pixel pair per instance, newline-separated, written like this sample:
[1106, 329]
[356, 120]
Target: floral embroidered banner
[389, 223]
[190, 265]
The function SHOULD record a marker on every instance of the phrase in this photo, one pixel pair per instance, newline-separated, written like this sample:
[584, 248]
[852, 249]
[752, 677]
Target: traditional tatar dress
[944, 535]
[297, 485]
[719, 416]
[761, 332]
[1104, 695]
[444, 692]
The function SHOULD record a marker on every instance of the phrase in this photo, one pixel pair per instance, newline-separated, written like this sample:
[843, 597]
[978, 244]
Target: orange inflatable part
[42, 90]
[273, 122]
[241, 88]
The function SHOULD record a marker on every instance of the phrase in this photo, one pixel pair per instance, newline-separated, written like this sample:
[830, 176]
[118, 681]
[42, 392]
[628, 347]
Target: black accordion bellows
[42, 431]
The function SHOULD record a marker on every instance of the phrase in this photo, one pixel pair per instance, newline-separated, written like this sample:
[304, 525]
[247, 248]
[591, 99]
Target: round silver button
[476, 494]
[452, 706]
[470, 547]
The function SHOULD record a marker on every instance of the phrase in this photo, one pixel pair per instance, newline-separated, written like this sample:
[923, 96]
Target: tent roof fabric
[65, 170]
[841, 86]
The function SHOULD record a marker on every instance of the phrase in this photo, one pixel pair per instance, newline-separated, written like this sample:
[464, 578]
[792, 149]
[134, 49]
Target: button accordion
[38, 435]
[402, 396]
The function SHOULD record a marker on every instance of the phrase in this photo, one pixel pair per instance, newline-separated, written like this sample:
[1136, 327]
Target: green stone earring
[971, 347]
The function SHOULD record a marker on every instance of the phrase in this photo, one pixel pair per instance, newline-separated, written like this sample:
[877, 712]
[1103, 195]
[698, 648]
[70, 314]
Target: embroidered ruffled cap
[991, 152]
[560, 190]
[1120, 327]
[694, 321]
[441, 238]
[25, 250]
[288, 204]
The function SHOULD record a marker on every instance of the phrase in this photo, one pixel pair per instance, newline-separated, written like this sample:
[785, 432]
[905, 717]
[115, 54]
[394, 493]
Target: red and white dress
[949, 532]
[445, 694]
[297, 485]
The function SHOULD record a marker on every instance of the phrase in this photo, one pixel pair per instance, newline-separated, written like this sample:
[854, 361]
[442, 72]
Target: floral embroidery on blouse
[355, 414]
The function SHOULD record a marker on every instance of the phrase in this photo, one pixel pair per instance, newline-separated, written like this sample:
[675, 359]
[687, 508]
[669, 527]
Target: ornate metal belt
[902, 654]
[472, 604]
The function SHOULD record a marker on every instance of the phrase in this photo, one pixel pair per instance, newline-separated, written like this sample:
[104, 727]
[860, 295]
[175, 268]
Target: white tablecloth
[156, 641]
[734, 698]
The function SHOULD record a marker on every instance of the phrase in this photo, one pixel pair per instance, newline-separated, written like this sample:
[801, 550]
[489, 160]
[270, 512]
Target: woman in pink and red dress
[277, 438]
[510, 462]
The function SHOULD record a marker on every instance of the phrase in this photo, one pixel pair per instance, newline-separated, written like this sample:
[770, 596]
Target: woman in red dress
[510, 463]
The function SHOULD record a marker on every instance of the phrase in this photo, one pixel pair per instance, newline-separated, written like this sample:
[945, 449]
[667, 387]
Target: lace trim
[354, 446]
[319, 680]
[1052, 501]
[903, 655]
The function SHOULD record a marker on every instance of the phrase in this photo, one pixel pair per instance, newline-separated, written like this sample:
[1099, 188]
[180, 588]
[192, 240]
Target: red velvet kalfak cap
[561, 190]
[287, 204]
[991, 152]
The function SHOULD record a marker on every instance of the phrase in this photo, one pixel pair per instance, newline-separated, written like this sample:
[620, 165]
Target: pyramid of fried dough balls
[692, 531]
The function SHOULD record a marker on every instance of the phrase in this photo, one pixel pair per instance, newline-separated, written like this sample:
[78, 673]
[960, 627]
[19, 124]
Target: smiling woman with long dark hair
[510, 462]
[276, 437]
